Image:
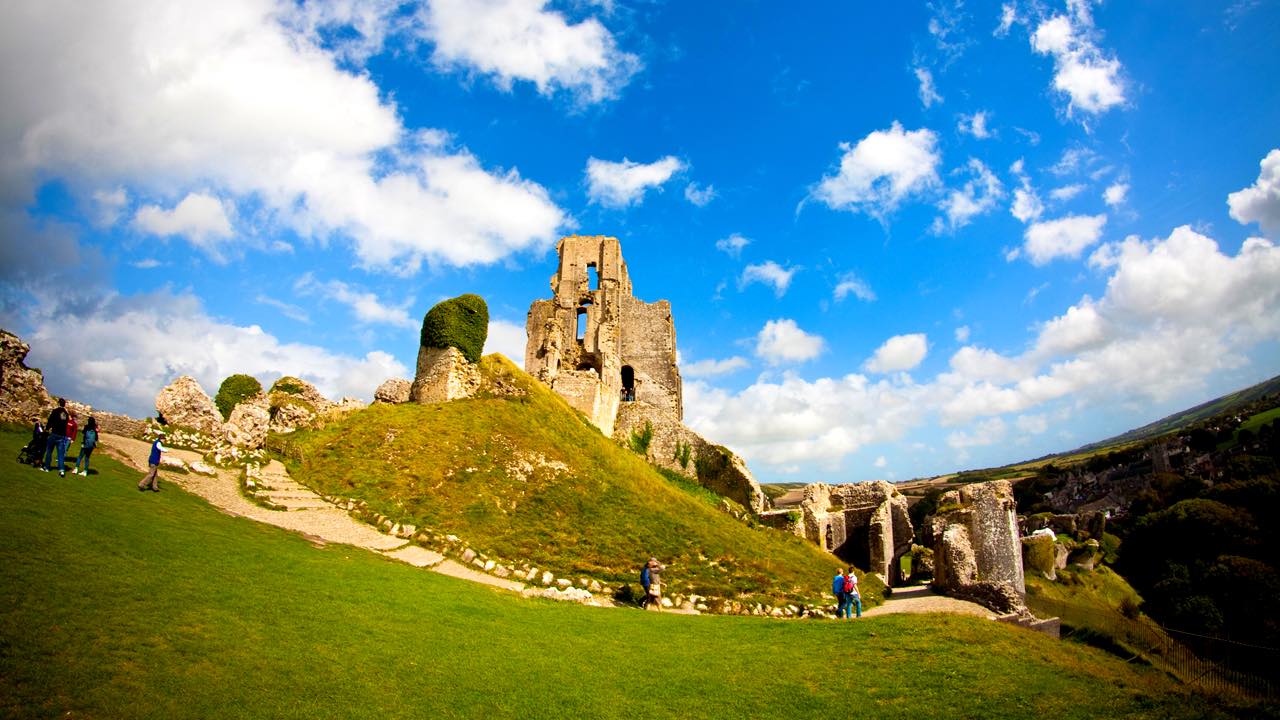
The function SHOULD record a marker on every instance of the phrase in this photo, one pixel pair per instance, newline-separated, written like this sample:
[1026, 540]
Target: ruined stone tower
[597, 345]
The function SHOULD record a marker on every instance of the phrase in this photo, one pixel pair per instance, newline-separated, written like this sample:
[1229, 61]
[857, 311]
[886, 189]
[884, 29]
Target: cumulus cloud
[165, 336]
[619, 184]
[928, 93]
[1115, 194]
[1082, 71]
[1260, 202]
[366, 306]
[508, 338]
[768, 273]
[1066, 192]
[109, 205]
[200, 218]
[1026, 204]
[782, 341]
[851, 284]
[883, 169]
[229, 100]
[712, 367]
[1064, 237]
[962, 333]
[978, 195]
[522, 40]
[1032, 424]
[975, 125]
[732, 245]
[900, 352]
[987, 432]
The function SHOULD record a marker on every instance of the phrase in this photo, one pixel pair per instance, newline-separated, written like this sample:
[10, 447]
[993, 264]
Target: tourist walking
[837, 589]
[651, 579]
[88, 441]
[149, 481]
[852, 598]
[57, 428]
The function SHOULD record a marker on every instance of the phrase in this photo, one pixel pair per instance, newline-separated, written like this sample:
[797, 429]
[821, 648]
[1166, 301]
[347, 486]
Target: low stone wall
[443, 374]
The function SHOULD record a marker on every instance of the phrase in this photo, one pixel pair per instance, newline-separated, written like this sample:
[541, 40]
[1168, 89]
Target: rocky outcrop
[295, 404]
[865, 523]
[393, 391]
[443, 374]
[183, 402]
[22, 392]
[976, 544]
[247, 427]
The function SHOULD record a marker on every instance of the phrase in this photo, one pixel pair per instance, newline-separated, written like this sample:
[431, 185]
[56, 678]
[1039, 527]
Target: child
[149, 481]
[87, 443]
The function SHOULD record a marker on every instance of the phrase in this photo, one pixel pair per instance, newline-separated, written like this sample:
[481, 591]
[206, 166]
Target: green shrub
[234, 390]
[640, 439]
[683, 451]
[287, 384]
[461, 322]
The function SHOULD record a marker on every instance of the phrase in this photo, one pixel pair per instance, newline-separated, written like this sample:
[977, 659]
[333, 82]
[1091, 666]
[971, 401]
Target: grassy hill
[119, 604]
[523, 478]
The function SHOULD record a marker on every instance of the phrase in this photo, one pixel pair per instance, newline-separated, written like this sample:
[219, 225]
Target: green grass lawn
[528, 479]
[120, 604]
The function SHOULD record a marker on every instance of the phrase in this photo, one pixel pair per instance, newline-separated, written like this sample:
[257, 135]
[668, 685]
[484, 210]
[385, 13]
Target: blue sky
[897, 242]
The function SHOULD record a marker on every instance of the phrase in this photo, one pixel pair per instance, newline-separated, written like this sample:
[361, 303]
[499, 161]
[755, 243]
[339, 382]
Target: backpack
[644, 577]
[849, 583]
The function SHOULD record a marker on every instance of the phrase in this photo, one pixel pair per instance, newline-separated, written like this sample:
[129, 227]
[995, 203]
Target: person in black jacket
[57, 428]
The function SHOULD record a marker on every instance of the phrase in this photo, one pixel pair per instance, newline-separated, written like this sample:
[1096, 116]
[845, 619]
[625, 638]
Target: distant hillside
[522, 477]
[1191, 416]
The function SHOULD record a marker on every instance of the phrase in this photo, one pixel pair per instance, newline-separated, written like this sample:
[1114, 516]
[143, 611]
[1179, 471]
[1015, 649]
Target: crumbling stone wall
[443, 374]
[593, 337]
[22, 391]
[865, 523]
[977, 547]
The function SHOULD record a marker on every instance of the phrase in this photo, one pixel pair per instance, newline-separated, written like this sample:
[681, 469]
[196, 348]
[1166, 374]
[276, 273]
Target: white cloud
[366, 306]
[699, 196]
[768, 273]
[1081, 70]
[782, 341]
[900, 352]
[172, 335]
[987, 432]
[224, 98]
[980, 364]
[1260, 202]
[851, 284]
[884, 168]
[522, 40]
[200, 218]
[1026, 204]
[1032, 424]
[978, 195]
[975, 125]
[962, 333]
[1116, 194]
[1080, 328]
[1064, 237]
[110, 204]
[732, 245]
[712, 368]
[928, 93]
[881, 462]
[508, 338]
[146, 264]
[1073, 160]
[619, 184]
[1008, 16]
[292, 312]
[1066, 192]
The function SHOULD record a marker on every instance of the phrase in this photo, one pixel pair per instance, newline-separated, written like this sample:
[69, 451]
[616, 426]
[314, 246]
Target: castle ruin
[613, 357]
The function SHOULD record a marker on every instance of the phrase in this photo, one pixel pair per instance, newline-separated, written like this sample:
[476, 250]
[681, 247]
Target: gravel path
[920, 599]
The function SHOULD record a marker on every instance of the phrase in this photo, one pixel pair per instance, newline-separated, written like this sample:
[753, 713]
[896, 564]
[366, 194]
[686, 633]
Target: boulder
[22, 392]
[183, 402]
[248, 424]
[1038, 555]
[393, 391]
[443, 374]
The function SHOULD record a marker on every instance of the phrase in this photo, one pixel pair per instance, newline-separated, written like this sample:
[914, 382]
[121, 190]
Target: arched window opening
[628, 384]
[580, 331]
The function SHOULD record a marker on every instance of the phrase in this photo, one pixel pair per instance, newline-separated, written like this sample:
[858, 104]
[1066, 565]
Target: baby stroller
[33, 453]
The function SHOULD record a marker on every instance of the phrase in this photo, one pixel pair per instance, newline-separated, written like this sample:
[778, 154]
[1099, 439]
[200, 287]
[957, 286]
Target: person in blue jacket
[88, 441]
[149, 481]
[842, 599]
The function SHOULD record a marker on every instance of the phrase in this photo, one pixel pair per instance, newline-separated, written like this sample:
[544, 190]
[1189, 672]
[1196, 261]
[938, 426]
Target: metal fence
[1215, 665]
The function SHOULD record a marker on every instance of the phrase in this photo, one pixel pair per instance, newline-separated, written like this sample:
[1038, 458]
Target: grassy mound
[119, 604]
[521, 476]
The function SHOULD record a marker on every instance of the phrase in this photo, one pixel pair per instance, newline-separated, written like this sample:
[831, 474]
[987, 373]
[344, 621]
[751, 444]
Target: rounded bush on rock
[235, 390]
[461, 322]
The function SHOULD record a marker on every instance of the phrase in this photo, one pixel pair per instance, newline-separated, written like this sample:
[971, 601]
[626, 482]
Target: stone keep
[594, 338]
[976, 539]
